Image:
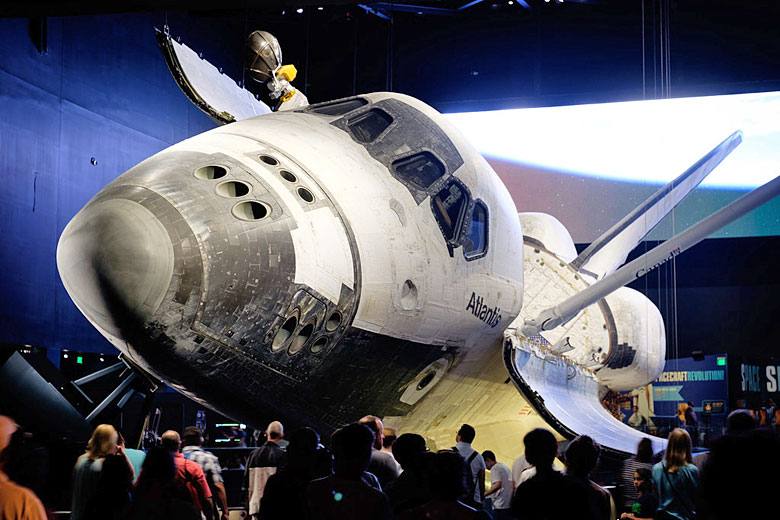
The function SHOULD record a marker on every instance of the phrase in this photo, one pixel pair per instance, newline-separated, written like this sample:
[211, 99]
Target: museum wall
[96, 103]
[84, 98]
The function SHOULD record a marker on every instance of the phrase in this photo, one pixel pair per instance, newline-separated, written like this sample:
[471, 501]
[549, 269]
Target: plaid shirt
[206, 460]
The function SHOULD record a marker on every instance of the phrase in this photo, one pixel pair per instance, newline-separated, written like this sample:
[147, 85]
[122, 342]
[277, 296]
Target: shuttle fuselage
[316, 265]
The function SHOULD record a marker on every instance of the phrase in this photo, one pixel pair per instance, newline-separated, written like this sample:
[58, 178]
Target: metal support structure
[125, 398]
[110, 398]
[128, 373]
[382, 9]
[100, 373]
[375, 12]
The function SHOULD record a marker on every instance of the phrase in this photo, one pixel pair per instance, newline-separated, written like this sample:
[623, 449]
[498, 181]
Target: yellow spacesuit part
[287, 72]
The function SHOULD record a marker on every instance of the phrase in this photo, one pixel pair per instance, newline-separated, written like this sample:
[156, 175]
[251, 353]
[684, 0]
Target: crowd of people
[370, 472]
[736, 478]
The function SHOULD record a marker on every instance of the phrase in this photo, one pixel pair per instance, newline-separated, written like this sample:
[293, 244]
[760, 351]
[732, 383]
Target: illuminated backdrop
[589, 165]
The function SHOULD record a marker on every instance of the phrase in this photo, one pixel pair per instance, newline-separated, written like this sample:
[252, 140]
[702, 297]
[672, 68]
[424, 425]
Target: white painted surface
[322, 259]
[215, 88]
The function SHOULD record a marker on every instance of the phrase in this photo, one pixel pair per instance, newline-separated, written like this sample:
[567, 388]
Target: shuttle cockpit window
[421, 170]
[338, 108]
[449, 208]
[475, 244]
[367, 126]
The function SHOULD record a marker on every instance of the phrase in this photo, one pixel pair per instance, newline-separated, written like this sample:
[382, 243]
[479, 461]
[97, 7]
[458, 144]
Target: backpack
[468, 496]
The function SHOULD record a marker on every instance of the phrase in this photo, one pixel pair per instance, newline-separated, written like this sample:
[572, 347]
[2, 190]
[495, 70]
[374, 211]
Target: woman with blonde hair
[675, 479]
[86, 473]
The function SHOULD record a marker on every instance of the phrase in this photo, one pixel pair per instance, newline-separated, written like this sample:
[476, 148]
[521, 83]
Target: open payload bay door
[566, 395]
[215, 93]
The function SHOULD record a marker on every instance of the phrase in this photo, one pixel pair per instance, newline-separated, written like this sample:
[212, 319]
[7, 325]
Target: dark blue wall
[101, 91]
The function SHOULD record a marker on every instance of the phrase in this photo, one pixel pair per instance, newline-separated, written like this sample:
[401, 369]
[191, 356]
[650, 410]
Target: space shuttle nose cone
[115, 259]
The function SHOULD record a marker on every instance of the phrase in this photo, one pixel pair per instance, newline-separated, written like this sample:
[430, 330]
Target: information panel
[703, 382]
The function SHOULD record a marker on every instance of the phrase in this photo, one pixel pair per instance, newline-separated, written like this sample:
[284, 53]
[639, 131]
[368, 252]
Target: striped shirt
[206, 460]
[626, 479]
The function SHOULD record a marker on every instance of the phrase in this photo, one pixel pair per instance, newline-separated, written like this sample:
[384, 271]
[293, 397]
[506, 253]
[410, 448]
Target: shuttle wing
[210, 90]
[610, 250]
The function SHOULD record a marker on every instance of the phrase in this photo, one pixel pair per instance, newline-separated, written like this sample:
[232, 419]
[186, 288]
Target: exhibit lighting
[65, 355]
[647, 142]
[299, 10]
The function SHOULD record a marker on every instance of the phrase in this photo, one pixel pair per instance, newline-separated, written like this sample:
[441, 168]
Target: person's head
[644, 450]
[643, 481]
[157, 470]
[115, 476]
[678, 450]
[7, 428]
[582, 455]
[541, 448]
[103, 442]
[690, 404]
[192, 436]
[490, 458]
[635, 408]
[171, 441]
[677, 412]
[303, 445]
[447, 475]
[408, 448]
[275, 431]
[466, 434]
[377, 428]
[352, 447]
[740, 421]
[390, 436]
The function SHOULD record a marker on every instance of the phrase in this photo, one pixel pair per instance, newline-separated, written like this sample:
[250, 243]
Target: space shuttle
[315, 263]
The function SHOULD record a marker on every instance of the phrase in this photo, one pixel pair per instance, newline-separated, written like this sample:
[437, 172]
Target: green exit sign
[79, 360]
[721, 362]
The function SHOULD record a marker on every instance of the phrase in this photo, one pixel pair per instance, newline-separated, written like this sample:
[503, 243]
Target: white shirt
[503, 497]
[518, 466]
[530, 472]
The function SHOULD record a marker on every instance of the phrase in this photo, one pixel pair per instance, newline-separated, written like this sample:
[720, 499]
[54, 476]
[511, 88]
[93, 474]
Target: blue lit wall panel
[29, 148]
[113, 67]
[101, 91]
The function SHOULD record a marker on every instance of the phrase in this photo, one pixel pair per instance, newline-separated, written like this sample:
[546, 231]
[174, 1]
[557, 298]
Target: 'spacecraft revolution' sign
[687, 379]
[490, 315]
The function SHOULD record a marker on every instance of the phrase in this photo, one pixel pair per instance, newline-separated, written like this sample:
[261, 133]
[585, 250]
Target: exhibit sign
[687, 379]
[760, 380]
